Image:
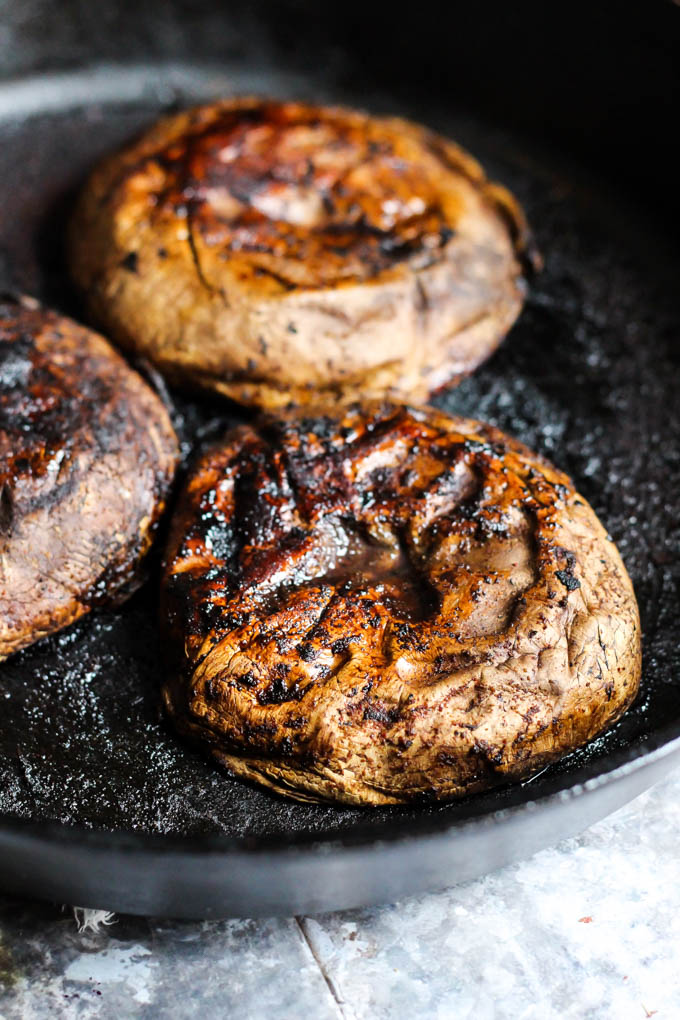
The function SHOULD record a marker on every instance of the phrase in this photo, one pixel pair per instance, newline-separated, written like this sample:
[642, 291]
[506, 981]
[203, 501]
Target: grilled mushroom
[87, 454]
[389, 603]
[280, 252]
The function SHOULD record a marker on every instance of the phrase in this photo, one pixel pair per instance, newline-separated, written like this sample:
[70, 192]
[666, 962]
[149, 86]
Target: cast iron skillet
[100, 804]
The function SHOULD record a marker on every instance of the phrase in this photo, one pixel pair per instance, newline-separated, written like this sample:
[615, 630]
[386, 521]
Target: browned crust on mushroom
[277, 252]
[87, 454]
[389, 603]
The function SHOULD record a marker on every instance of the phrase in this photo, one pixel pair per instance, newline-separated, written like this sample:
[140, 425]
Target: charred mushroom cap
[390, 603]
[279, 252]
[87, 454]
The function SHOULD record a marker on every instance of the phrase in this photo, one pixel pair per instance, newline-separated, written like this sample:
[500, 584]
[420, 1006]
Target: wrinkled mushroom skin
[87, 454]
[389, 604]
[281, 253]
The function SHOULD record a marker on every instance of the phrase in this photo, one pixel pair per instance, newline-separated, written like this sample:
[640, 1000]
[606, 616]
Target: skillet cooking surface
[588, 377]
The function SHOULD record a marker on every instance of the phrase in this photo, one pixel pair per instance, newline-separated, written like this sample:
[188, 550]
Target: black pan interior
[588, 376]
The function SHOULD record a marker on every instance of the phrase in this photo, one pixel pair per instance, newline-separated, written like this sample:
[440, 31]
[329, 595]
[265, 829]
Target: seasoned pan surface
[588, 377]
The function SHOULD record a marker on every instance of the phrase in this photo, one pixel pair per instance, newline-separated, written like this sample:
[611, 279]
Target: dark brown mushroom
[389, 603]
[87, 455]
[281, 252]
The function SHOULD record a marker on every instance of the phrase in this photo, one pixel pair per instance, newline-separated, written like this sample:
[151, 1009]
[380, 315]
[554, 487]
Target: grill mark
[6, 510]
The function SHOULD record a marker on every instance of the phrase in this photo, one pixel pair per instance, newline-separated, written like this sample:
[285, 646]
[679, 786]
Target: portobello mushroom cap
[389, 603]
[282, 253]
[87, 454]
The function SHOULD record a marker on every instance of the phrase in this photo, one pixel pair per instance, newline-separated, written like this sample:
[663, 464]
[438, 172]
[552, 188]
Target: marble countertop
[589, 928]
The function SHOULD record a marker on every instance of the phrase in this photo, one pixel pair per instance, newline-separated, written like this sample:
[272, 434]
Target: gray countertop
[589, 928]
